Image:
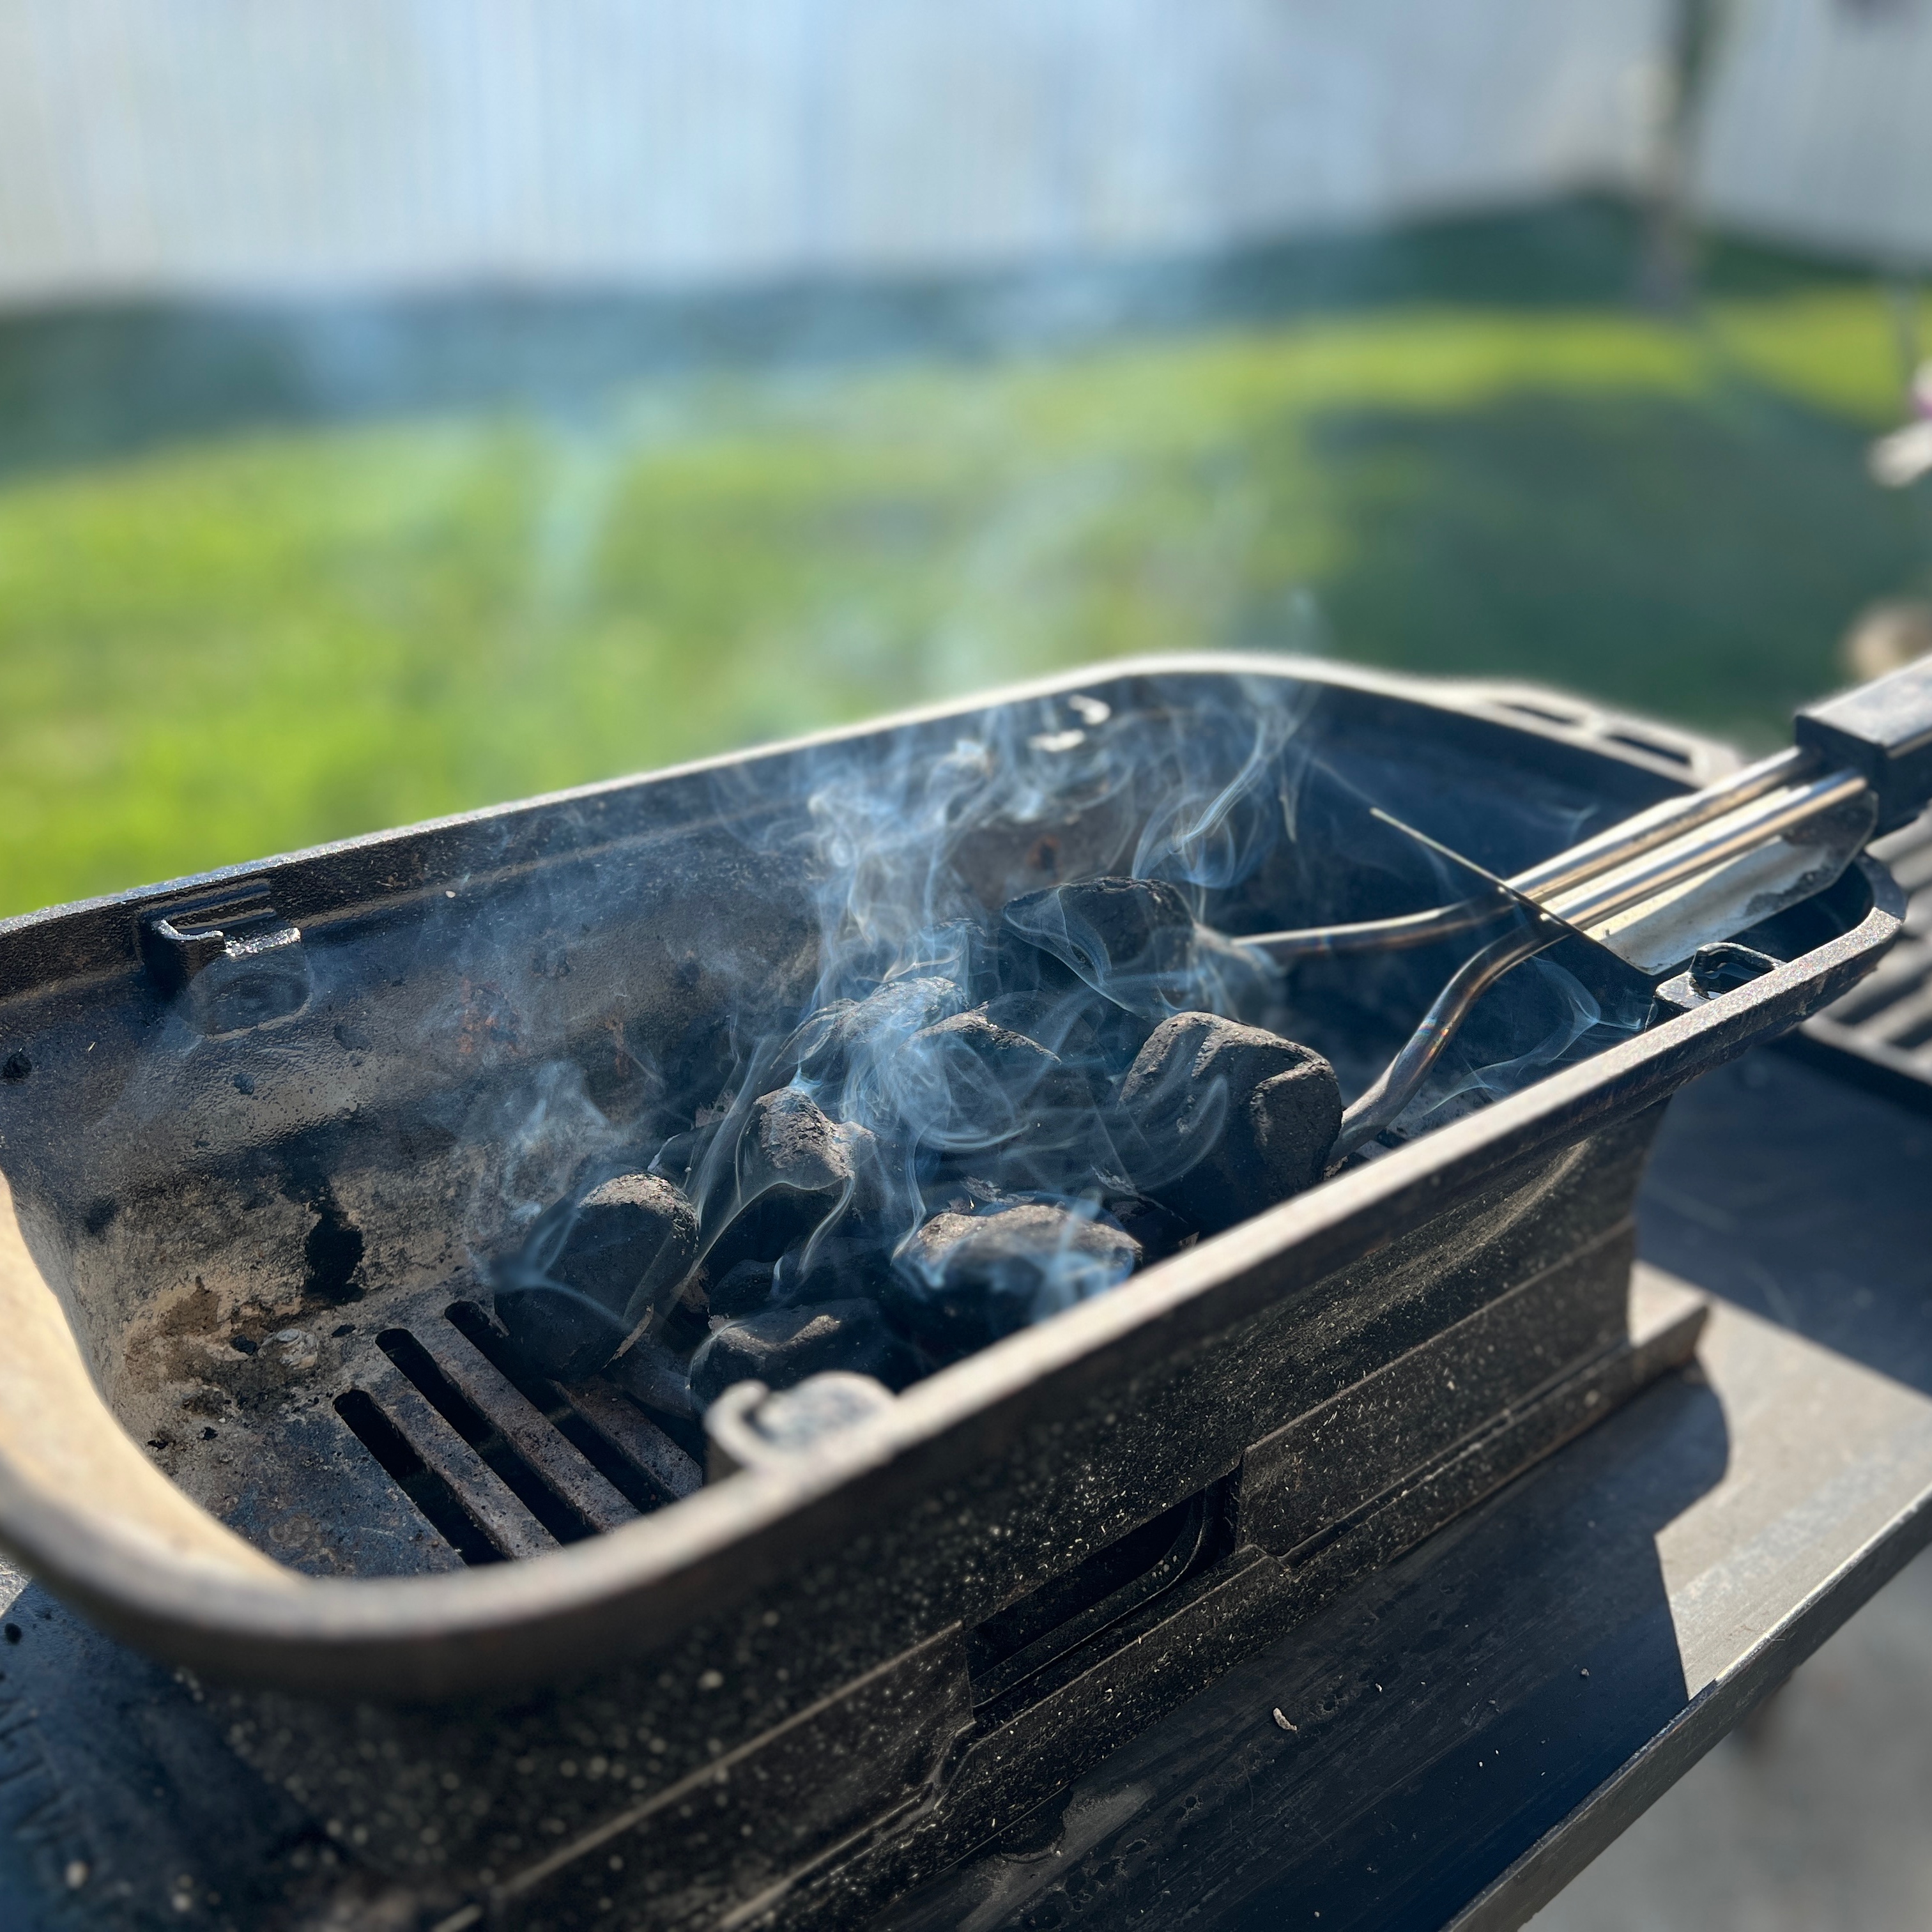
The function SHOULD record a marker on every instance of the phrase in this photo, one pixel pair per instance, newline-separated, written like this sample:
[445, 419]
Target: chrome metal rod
[1405, 1074]
[1659, 824]
[1602, 896]
[1376, 935]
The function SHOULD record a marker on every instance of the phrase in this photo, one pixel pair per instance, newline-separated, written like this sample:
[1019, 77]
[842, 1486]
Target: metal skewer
[1611, 879]
[1403, 1076]
[1379, 1106]
[1555, 881]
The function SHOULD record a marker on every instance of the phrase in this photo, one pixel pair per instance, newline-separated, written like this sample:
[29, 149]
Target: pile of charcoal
[1017, 1119]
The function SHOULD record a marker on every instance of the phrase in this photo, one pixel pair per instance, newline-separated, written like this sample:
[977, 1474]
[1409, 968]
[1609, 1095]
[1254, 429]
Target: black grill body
[290, 1106]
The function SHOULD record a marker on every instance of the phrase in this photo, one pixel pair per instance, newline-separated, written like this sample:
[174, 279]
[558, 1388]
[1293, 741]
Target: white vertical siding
[262, 145]
[1820, 126]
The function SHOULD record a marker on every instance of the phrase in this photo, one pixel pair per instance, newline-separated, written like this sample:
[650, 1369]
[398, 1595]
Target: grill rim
[1853, 1046]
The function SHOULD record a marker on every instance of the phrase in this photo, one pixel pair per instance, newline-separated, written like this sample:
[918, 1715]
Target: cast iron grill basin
[1274, 1396]
[74, 950]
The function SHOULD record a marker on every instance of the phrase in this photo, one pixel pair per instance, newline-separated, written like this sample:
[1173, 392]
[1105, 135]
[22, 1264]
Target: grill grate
[1880, 1033]
[501, 1463]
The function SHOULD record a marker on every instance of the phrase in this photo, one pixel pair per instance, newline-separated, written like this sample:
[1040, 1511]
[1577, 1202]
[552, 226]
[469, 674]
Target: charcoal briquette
[1063, 1023]
[790, 1142]
[797, 1171]
[1221, 1120]
[1129, 939]
[978, 1084]
[832, 1267]
[827, 1044]
[1159, 1231]
[653, 1374]
[784, 1345]
[593, 1268]
[967, 952]
[743, 1288]
[963, 1280]
[1089, 1033]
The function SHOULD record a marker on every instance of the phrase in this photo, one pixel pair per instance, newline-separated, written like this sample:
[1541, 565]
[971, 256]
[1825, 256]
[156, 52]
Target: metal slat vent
[501, 1463]
[1880, 1033]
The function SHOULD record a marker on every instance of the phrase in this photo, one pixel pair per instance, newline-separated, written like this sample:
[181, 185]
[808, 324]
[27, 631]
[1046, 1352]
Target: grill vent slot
[1017, 1646]
[526, 1483]
[437, 1499]
[1655, 747]
[634, 1456]
[502, 1463]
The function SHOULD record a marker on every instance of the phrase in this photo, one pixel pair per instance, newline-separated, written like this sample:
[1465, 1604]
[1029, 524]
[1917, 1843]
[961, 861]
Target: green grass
[221, 648]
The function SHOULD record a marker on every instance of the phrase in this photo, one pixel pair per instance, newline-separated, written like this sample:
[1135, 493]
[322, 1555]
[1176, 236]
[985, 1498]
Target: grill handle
[1882, 730]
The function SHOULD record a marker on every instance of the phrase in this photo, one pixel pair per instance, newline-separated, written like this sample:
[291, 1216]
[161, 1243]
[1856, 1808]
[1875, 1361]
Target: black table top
[1445, 1744]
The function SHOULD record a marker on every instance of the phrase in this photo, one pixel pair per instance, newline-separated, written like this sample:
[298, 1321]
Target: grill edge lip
[631, 1589]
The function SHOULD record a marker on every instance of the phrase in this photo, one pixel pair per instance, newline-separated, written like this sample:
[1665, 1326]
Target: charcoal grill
[261, 1421]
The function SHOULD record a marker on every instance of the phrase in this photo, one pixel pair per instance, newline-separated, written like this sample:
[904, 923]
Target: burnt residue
[237, 1401]
[332, 1254]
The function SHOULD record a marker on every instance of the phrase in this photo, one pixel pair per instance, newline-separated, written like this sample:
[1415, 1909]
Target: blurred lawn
[224, 647]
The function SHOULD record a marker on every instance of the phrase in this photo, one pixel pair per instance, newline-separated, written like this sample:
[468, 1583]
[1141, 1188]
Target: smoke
[996, 911]
[978, 996]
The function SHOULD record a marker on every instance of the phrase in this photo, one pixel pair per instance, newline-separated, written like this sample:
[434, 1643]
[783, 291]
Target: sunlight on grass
[224, 650]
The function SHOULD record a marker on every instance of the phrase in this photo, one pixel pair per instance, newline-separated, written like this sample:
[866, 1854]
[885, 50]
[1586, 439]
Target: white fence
[1820, 126]
[239, 146]
[266, 145]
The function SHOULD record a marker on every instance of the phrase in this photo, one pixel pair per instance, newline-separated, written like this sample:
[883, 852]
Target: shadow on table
[1843, 1260]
